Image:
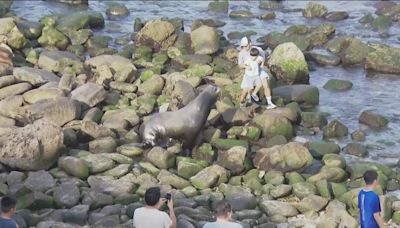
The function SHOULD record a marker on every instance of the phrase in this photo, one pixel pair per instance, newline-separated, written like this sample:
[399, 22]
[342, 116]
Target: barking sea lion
[184, 124]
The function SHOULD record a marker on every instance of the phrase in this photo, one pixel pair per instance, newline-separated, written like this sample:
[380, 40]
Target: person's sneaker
[242, 105]
[249, 100]
[271, 106]
[255, 97]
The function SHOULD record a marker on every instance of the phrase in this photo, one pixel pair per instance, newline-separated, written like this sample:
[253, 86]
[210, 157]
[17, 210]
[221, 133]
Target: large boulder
[305, 95]
[384, 59]
[287, 158]
[34, 76]
[273, 125]
[210, 177]
[205, 40]
[157, 34]
[53, 38]
[16, 89]
[79, 20]
[288, 64]
[33, 147]
[58, 61]
[335, 129]
[274, 207]
[59, 111]
[233, 159]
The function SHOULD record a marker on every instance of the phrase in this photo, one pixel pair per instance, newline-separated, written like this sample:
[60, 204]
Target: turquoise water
[378, 94]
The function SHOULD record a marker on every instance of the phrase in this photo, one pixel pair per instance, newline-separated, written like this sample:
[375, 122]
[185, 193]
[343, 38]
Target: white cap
[244, 42]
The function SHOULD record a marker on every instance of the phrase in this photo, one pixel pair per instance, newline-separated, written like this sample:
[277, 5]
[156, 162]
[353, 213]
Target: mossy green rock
[276, 140]
[294, 177]
[190, 191]
[210, 177]
[313, 119]
[319, 148]
[247, 132]
[52, 37]
[303, 189]
[204, 152]
[35, 201]
[74, 166]
[312, 203]
[146, 104]
[161, 158]
[335, 129]
[323, 189]
[149, 168]
[289, 157]
[233, 159]
[153, 86]
[218, 6]
[355, 52]
[79, 20]
[241, 14]
[98, 163]
[226, 144]
[336, 84]
[384, 59]
[168, 178]
[118, 171]
[314, 10]
[373, 120]
[143, 52]
[280, 191]
[396, 217]
[273, 125]
[288, 64]
[274, 177]
[332, 174]
[188, 169]
[338, 189]
[356, 149]
[334, 160]
[16, 39]
[304, 95]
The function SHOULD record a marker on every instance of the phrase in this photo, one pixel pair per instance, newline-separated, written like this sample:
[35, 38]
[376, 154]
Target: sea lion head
[212, 91]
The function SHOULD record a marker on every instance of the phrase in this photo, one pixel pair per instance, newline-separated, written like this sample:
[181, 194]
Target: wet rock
[373, 120]
[273, 125]
[305, 95]
[270, 5]
[35, 201]
[235, 116]
[354, 52]
[247, 132]
[204, 152]
[117, 10]
[319, 148]
[226, 144]
[60, 61]
[273, 207]
[205, 40]
[356, 149]
[168, 178]
[268, 16]
[381, 23]
[315, 10]
[16, 89]
[241, 14]
[312, 203]
[324, 59]
[313, 119]
[210, 177]
[334, 160]
[233, 159]
[66, 195]
[53, 38]
[276, 140]
[336, 84]
[331, 174]
[336, 16]
[158, 34]
[21, 149]
[383, 60]
[303, 189]
[219, 7]
[335, 129]
[79, 20]
[187, 169]
[89, 94]
[120, 119]
[239, 197]
[288, 64]
[30, 29]
[34, 76]
[358, 135]
[161, 158]
[280, 191]
[59, 111]
[277, 158]
[74, 166]
[40, 181]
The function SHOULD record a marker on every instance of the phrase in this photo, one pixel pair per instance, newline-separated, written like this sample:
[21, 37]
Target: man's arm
[379, 220]
[172, 213]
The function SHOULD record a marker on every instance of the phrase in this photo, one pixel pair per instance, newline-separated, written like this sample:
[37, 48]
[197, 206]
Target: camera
[168, 196]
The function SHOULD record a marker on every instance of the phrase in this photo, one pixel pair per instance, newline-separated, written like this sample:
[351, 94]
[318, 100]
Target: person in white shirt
[150, 215]
[251, 76]
[244, 54]
[224, 215]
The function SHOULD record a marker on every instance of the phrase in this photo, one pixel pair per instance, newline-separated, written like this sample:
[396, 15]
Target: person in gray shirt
[224, 214]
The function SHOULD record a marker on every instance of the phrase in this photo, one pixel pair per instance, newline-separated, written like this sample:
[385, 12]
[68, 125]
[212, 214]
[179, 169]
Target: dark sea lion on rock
[184, 124]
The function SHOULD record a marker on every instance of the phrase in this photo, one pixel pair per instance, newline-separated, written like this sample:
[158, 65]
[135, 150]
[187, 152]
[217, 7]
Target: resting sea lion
[184, 124]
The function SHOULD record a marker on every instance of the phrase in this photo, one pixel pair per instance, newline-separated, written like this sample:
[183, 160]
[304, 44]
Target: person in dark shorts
[368, 202]
[7, 211]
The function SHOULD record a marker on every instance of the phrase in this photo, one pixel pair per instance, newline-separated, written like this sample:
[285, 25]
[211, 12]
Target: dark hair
[370, 176]
[254, 52]
[7, 203]
[152, 196]
[223, 208]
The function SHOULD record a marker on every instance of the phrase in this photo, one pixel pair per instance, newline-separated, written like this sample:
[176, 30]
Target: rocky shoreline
[71, 107]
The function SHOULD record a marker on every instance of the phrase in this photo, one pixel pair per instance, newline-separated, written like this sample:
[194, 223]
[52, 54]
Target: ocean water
[380, 94]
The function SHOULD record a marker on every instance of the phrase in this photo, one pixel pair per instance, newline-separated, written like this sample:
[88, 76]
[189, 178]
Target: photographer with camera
[150, 215]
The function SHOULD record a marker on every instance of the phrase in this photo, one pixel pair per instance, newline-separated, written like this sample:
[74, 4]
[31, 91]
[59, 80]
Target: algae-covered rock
[205, 40]
[336, 84]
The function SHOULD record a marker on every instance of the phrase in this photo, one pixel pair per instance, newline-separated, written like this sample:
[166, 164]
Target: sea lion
[184, 124]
